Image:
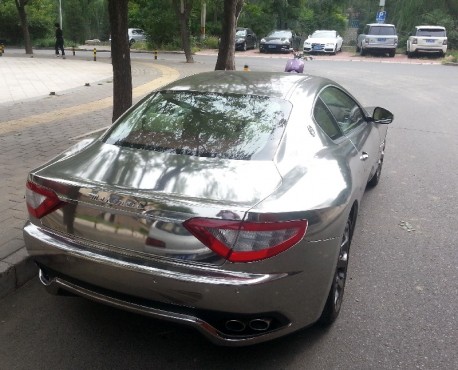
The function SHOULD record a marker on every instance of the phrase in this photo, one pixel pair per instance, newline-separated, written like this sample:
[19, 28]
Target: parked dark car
[245, 39]
[284, 41]
[225, 200]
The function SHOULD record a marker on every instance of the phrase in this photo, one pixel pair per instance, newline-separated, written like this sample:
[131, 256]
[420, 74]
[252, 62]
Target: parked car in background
[427, 39]
[278, 41]
[245, 39]
[323, 41]
[378, 37]
[136, 34]
[225, 200]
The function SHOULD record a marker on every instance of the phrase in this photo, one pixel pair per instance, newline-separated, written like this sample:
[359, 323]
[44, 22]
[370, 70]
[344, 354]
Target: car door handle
[364, 156]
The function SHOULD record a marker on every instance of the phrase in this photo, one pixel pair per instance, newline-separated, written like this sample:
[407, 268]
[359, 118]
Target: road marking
[167, 75]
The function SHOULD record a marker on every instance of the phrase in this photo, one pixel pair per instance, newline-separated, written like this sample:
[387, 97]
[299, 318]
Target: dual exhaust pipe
[238, 326]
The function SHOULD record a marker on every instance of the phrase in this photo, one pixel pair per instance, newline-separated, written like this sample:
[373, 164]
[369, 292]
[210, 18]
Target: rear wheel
[334, 302]
[392, 53]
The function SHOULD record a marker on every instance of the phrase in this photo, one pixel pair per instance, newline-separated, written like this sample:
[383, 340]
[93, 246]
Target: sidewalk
[46, 105]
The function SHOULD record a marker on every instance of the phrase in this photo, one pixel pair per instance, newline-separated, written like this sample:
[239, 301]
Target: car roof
[381, 24]
[431, 27]
[273, 84]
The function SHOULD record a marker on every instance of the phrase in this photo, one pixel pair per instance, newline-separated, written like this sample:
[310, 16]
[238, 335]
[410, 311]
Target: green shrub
[210, 42]
[451, 57]
[44, 43]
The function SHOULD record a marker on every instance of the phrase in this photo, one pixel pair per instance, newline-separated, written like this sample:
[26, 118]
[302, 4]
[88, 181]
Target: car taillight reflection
[40, 200]
[242, 241]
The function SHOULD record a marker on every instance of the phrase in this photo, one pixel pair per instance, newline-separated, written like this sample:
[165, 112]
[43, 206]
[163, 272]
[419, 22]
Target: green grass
[451, 56]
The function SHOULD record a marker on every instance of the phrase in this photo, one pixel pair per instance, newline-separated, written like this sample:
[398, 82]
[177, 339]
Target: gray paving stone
[24, 266]
[7, 279]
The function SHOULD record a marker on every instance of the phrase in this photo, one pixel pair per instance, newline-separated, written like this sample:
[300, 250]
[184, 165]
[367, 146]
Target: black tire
[378, 172]
[334, 301]
[392, 53]
[362, 52]
[410, 54]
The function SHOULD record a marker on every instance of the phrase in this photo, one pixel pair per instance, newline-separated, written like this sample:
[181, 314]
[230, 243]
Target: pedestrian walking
[59, 40]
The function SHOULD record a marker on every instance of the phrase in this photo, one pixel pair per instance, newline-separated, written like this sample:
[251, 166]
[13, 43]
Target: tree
[20, 5]
[226, 52]
[183, 10]
[120, 54]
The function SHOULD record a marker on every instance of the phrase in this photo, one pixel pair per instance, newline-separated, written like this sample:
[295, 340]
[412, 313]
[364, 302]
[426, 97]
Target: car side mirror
[382, 115]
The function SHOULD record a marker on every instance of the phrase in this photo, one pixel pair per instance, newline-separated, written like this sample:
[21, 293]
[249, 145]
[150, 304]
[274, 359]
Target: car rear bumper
[431, 49]
[229, 307]
[379, 47]
[271, 48]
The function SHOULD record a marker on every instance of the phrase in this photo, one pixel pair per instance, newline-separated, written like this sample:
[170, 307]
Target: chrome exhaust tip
[262, 324]
[44, 278]
[235, 325]
[48, 282]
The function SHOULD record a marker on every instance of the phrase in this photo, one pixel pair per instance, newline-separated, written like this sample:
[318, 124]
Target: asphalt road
[400, 303]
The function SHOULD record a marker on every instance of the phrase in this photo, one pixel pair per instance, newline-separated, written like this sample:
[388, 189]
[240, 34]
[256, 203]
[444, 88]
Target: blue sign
[381, 16]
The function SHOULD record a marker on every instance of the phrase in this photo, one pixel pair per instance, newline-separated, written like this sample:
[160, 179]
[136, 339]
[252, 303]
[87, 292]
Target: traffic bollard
[2, 49]
[95, 54]
[245, 68]
[73, 51]
[155, 54]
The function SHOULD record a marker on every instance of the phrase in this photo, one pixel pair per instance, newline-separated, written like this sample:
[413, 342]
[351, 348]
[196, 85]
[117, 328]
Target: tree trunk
[183, 10]
[20, 6]
[120, 54]
[226, 52]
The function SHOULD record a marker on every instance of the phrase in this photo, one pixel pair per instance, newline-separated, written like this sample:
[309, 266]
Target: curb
[16, 270]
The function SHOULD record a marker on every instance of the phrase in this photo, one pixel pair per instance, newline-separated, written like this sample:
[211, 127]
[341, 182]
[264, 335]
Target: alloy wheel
[341, 269]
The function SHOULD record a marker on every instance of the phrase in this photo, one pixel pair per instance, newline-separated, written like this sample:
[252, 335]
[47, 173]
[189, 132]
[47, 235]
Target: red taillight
[240, 241]
[40, 200]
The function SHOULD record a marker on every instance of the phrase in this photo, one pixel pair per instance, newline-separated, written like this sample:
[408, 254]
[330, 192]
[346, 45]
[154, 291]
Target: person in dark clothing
[59, 40]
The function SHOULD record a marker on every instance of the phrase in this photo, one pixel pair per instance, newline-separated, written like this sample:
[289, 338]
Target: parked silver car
[378, 38]
[226, 200]
[135, 35]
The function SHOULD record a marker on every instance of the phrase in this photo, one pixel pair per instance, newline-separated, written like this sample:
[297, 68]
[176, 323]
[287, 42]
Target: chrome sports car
[225, 200]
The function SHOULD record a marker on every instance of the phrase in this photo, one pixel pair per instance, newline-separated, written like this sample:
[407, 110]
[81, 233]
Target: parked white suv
[427, 39]
[378, 37]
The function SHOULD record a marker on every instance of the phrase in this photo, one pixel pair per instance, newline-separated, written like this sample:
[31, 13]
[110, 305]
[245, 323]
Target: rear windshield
[232, 126]
[280, 34]
[437, 32]
[380, 30]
